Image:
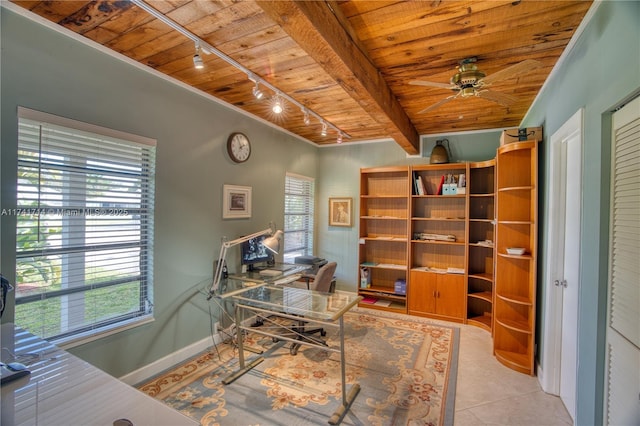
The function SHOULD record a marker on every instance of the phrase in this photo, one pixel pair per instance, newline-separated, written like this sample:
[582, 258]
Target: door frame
[551, 342]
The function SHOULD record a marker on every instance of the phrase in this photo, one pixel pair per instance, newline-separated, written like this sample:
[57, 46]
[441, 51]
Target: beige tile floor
[488, 393]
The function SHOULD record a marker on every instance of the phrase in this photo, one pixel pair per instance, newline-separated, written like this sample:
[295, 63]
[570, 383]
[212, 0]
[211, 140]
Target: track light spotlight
[257, 92]
[197, 59]
[203, 47]
[277, 106]
[339, 139]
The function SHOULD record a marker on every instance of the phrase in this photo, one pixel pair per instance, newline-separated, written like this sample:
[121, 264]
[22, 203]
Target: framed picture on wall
[340, 211]
[236, 202]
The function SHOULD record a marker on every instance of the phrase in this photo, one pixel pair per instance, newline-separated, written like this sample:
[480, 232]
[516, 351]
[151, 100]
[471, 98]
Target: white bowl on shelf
[516, 250]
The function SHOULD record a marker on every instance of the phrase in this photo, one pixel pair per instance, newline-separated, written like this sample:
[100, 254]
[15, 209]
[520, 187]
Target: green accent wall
[50, 72]
[600, 73]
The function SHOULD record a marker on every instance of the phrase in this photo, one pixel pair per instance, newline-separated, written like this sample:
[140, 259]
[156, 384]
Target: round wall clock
[238, 147]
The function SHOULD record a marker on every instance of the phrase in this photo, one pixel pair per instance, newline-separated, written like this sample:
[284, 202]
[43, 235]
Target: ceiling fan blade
[501, 98]
[512, 71]
[437, 104]
[432, 84]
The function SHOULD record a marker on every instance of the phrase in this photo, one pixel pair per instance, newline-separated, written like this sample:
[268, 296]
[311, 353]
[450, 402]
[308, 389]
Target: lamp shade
[272, 243]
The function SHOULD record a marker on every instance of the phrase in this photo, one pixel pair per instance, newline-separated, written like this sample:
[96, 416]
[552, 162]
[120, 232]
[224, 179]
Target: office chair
[321, 282]
[323, 279]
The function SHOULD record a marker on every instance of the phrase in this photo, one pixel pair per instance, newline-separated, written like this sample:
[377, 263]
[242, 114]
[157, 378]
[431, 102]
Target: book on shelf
[381, 302]
[452, 270]
[390, 266]
[439, 192]
[462, 184]
[368, 264]
[369, 300]
[421, 188]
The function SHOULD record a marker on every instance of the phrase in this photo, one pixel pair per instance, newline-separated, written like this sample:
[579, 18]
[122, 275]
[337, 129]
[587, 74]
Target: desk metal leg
[243, 369]
[347, 399]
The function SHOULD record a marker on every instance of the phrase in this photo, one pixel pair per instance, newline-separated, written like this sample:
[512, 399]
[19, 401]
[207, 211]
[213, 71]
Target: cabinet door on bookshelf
[435, 294]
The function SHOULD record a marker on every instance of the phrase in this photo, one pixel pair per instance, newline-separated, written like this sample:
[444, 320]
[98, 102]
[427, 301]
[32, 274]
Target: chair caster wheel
[323, 333]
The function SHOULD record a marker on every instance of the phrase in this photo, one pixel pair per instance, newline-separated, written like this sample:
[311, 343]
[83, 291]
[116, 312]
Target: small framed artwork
[236, 202]
[340, 211]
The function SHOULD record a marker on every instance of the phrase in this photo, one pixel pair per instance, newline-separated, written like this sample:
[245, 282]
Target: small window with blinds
[84, 235]
[298, 216]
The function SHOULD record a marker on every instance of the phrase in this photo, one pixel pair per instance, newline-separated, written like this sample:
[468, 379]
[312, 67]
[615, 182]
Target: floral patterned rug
[406, 369]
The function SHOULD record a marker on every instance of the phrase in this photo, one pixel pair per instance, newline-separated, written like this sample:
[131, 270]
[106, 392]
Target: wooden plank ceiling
[348, 61]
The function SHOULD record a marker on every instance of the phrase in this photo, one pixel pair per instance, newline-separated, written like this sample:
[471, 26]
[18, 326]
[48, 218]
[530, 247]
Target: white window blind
[298, 216]
[85, 208]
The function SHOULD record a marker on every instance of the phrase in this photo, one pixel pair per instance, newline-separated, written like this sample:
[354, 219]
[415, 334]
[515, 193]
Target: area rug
[406, 370]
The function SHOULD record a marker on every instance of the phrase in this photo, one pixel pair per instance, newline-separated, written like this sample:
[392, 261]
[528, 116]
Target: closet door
[622, 398]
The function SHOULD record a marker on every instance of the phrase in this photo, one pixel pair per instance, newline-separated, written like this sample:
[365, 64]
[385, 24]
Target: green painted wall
[600, 73]
[49, 72]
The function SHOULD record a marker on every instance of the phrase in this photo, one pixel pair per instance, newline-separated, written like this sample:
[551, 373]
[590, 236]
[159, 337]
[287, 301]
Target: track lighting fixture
[197, 59]
[204, 47]
[339, 139]
[257, 93]
[277, 105]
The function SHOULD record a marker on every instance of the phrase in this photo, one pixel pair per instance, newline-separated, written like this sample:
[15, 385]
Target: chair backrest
[322, 281]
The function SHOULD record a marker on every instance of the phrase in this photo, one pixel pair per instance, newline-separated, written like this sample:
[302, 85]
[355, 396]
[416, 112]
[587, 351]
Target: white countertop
[65, 390]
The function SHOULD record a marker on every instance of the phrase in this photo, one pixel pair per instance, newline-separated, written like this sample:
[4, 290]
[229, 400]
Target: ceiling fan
[470, 81]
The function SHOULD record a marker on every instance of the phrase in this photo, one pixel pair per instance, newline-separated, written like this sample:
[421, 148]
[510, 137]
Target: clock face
[238, 147]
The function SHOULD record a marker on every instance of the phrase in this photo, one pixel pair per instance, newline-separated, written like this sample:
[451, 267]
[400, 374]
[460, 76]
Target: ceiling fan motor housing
[468, 76]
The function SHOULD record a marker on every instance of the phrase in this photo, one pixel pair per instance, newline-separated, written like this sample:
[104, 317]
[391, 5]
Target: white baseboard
[168, 361]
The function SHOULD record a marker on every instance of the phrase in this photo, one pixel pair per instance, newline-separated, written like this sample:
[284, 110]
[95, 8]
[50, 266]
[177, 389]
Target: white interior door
[570, 283]
[562, 284]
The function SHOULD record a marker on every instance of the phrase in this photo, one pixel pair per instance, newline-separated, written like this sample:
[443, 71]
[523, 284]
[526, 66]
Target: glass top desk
[237, 283]
[303, 306]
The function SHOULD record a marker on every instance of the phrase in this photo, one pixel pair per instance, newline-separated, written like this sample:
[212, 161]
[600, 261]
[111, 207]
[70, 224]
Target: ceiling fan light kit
[469, 81]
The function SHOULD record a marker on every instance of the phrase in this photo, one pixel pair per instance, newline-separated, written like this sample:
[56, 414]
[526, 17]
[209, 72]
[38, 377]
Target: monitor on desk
[253, 253]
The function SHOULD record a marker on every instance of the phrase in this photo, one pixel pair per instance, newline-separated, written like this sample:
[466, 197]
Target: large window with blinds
[85, 216]
[298, 216]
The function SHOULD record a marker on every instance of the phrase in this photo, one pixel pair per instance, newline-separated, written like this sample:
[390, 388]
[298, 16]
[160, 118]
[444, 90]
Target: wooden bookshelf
[383, 234]
[481, 257]
[439, 235]
[515, 280]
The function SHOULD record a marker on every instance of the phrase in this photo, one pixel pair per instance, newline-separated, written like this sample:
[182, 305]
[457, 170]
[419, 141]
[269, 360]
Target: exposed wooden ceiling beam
[314, 26]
